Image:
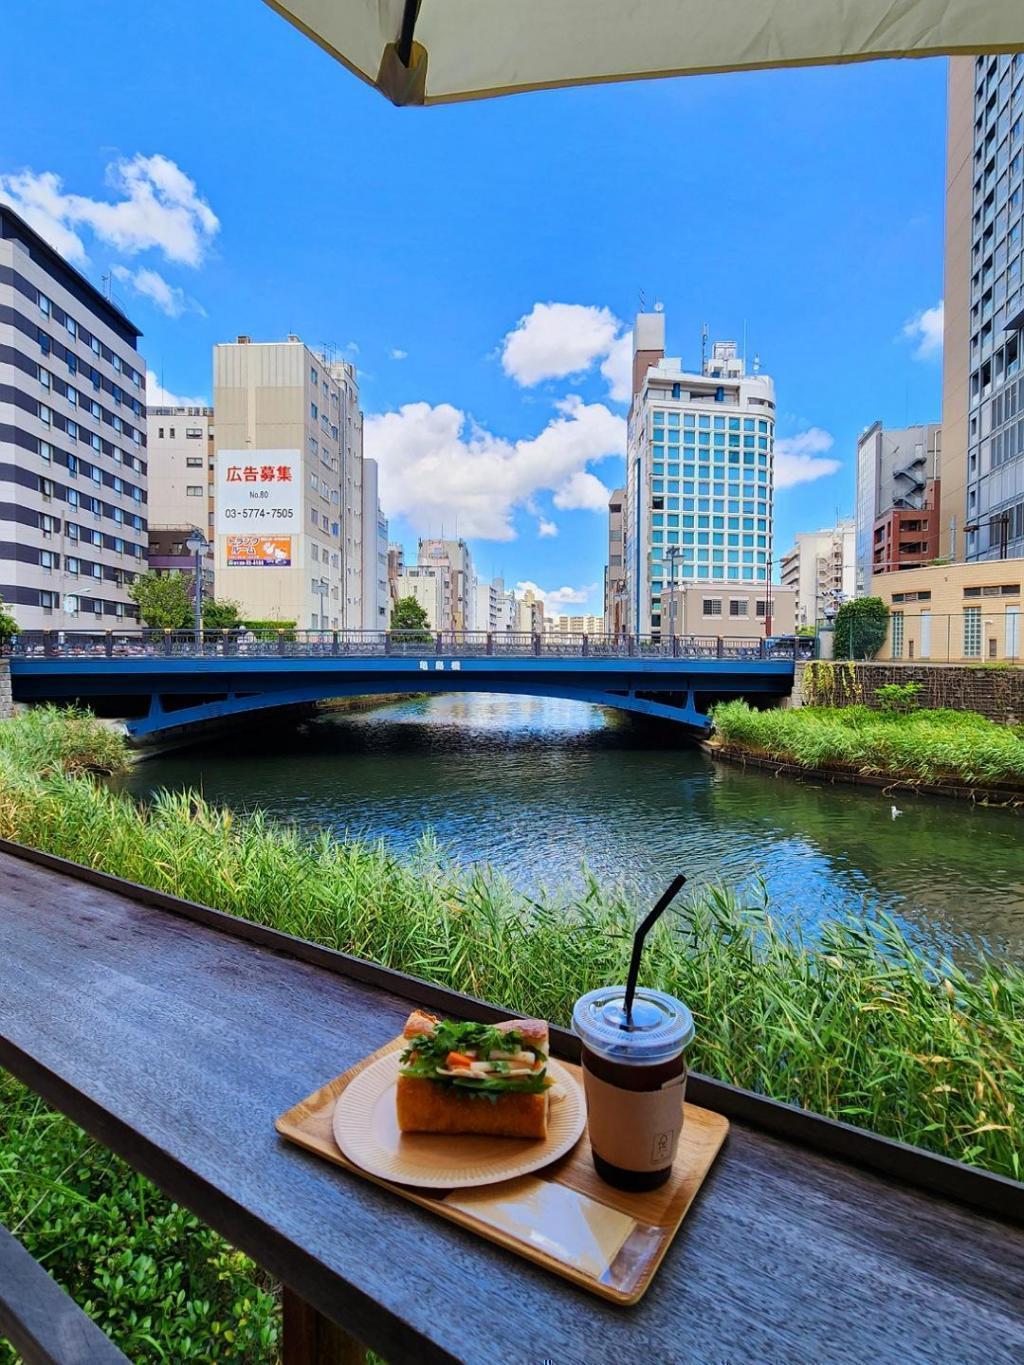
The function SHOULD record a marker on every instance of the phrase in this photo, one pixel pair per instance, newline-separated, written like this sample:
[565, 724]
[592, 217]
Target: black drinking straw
[674, 887]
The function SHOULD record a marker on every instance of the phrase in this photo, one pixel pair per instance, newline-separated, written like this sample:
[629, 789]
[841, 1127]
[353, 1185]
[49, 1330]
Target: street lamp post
[198, 545]
[324, 589]
[672, 554]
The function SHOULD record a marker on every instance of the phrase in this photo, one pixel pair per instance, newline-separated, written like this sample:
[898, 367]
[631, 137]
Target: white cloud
[158, 208]
[584, 492]
[557, 597]
[396, 354]
[557, 339]
[617, 368]
[798, 459]
[437, 465]
[152, 285]
[159, 397]
[546, 528]
[924, 330]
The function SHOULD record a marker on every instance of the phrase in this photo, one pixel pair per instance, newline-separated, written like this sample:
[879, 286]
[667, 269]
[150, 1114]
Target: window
[738, 606]
[44, 304]
[712, 606]
[897, 635]
[193, 433]
[194, 462]
[194, 490]
[762, 608]
[160, 433]
[972, 632]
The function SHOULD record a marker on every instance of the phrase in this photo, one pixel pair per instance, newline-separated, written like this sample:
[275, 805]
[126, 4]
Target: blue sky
[236, 179]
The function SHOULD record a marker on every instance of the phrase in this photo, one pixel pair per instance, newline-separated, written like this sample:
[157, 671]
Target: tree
[8, 625]
[409, 617]
[220, 615]
[163, 600]
[861, 627]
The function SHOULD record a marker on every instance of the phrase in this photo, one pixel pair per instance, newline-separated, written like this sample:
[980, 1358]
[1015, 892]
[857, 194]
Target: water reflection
[540, 787]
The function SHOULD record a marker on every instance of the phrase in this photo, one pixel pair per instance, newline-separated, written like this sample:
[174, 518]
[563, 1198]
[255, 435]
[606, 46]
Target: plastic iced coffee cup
[634, 1074]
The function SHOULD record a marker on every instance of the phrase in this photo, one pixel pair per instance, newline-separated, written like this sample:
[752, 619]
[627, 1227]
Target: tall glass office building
[983, 388]
[699, 480]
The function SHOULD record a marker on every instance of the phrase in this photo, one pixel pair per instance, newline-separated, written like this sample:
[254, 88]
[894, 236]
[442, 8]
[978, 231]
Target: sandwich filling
[475, 1058]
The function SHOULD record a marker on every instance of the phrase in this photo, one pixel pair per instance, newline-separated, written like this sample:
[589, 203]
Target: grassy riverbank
[854, 1025]
[957, 747]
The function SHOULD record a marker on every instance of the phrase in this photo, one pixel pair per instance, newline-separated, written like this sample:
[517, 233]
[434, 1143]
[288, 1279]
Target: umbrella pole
[409, 17]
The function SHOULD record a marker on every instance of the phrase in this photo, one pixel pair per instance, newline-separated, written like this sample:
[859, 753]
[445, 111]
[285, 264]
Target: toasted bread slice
[426, 1107]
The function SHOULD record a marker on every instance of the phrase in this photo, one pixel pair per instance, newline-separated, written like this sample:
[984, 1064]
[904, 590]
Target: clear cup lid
[660, 1027]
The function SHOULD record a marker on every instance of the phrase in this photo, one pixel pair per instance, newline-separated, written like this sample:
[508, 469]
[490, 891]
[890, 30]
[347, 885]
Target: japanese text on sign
[258, 491]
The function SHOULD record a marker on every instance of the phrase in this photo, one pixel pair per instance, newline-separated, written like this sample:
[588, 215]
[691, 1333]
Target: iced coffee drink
[634, 1074]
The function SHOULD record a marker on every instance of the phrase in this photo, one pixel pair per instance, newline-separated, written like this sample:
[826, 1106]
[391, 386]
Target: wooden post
[312, 1339]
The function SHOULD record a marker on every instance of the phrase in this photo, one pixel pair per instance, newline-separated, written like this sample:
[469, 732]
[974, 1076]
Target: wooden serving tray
[565, 1218]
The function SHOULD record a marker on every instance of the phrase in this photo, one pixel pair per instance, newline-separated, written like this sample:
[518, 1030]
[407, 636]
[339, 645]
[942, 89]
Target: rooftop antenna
[744, 354]
[757, 363]
[703, 345]
[643, 302]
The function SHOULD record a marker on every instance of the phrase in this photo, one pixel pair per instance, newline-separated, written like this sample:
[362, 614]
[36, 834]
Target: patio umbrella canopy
[437, 51]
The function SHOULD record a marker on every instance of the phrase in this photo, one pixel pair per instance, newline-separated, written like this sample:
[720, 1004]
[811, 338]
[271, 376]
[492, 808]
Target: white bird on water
[896, 812]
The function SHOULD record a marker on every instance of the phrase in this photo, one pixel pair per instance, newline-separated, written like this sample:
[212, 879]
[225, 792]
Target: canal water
[542, 789]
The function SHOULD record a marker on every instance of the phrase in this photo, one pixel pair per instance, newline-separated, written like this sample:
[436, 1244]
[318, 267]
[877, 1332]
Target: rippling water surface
[540, 787]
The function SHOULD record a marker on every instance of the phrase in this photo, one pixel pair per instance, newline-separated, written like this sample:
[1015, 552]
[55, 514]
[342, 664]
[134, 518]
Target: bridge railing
[268, 643]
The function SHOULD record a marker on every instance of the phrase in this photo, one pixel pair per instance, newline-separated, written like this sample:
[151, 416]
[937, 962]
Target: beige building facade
[956, 338]
[289, 432]
[821, 569]
[454, 555]
[954, 613]
[431, 587]
[983, 383]
[181, 485]
[737, 612]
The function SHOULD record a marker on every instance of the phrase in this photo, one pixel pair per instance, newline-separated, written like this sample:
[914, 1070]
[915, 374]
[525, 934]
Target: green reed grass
[854, 1024]
[920, 746]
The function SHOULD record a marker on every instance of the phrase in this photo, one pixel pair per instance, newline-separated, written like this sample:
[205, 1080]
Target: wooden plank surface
[178, 1045]
[42, 1323]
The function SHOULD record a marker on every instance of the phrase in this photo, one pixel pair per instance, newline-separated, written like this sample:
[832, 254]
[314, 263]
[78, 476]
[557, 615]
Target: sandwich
[474, 1078]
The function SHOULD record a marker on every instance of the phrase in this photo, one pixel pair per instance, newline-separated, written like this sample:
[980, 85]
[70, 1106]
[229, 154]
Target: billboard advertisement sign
[259, 552]
[258, 492]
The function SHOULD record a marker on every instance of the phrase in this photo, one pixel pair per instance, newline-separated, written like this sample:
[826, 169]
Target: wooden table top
[177, 1045]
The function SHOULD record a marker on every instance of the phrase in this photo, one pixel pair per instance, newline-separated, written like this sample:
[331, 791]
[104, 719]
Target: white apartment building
[574, 625]
[431, 586]
[495, 606]
[699, 475]
[73, 459]
[289, 484]
[181, 486]
[376, 604]
[454, 554]
[821, 568]
[529, 613]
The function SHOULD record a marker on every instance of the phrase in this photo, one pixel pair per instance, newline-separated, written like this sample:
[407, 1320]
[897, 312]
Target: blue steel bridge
[167, 683]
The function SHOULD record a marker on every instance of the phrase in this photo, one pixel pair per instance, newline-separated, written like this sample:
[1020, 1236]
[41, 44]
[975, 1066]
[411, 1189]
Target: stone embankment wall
[997, 693]
[6, 704]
